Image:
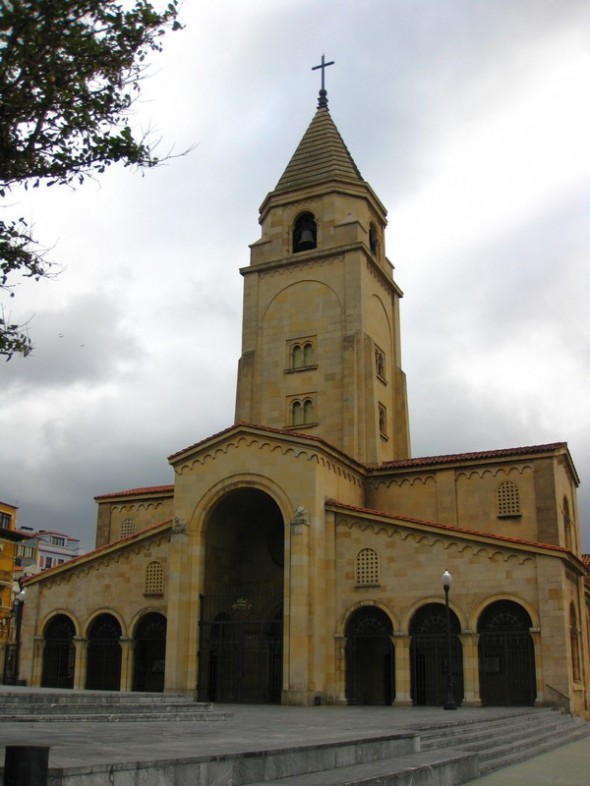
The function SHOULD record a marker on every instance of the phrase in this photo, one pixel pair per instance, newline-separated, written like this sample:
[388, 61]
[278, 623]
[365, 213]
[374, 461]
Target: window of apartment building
[5, 520]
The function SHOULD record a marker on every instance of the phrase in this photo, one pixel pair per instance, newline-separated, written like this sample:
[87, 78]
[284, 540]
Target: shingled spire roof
[321, 156]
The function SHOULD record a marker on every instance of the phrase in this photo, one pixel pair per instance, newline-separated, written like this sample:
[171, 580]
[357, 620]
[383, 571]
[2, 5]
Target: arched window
[308, 353]
[154, 579]
[296, 413]
[302, 412]
[127, 528]
[382, 420]
[380, 363]
[567, 523]
[575, 643]
[508, 499]
[373, 239]
[296, 356]
[304, 233]
[367, 568]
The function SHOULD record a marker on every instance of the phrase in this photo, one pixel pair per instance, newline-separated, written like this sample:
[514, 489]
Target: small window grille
[508, 499]
[367, 568]
[127, 528]
[154, 579]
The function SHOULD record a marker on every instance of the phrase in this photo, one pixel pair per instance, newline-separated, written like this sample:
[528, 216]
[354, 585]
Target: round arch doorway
[59, 653]
[149, 653]
[241, 609]
[429, 654]
[103, 670]
[507, 674]
[370, 664]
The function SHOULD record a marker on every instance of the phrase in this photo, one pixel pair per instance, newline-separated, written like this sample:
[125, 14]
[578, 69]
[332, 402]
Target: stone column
[81, 662]
[37, 669]
[469, 641]
[340, 667]
[126, 663]
[540, 680]
[295, 679]
[403, 671]
[180, 612]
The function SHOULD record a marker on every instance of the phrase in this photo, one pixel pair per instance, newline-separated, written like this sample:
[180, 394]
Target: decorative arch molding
[436, 599]
[137, 506]
[378, 275]
[434, 539]
[345, 616]
[495, 472]
[299, 284]
[259, 443]
[111, 613]
[59, 612]
[319, 260]
[377, 303]
[477, 610]
[405, 481]
[219, 490]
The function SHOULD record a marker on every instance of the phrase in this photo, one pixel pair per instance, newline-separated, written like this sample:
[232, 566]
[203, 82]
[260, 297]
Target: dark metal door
[104, 654]
[429, 653]
[370, 658]
[241, 648]
[59, 654]
[507, 669]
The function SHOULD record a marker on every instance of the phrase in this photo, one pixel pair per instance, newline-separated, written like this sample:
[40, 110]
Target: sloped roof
[320, 157]
[168, 489]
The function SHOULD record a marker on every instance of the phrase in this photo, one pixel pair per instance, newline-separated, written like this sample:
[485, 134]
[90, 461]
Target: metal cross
[323, 65]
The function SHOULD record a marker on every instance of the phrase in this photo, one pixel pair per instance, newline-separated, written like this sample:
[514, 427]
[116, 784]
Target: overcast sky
[471, 121]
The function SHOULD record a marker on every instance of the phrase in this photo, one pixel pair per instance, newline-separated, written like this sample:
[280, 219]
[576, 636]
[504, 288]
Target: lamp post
[449, 704]
[19, 602]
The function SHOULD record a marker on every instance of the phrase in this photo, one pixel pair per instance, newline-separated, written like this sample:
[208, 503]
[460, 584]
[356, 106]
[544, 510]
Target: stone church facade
[298, 556]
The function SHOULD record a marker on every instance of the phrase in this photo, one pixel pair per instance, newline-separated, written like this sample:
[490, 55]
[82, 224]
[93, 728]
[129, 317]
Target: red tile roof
[169, 489]
[453, 528]
[474, 456]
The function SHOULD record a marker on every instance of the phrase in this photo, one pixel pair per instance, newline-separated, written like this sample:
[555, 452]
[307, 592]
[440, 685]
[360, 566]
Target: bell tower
[321, 336]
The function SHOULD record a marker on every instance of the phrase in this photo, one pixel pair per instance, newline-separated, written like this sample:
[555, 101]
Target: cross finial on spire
[323, 99]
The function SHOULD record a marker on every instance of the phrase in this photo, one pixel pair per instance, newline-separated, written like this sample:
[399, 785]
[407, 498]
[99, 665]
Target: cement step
[87, 706]
[428, 768]
[502, 742]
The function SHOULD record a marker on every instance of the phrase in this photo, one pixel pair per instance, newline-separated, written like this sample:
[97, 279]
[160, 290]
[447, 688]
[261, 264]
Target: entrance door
[506, 656]
[369, 658]
[59, 653]
[241, 649]
[149, 654]
[104, 654]
[429, 653]
[241, 610]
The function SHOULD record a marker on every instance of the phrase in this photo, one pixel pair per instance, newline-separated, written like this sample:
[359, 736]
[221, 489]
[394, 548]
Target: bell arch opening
[241, 609]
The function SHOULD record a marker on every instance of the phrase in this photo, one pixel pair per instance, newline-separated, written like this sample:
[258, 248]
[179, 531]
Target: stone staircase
[45, 705]
[499, 743]
[447, 755]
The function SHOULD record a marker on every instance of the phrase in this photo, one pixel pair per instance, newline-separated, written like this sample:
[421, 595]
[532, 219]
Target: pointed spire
[320, 157]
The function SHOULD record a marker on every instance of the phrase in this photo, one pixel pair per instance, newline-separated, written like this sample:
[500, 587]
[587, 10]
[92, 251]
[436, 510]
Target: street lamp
[449, 704]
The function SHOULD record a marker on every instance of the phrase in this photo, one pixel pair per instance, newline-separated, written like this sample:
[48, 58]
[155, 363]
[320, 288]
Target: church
[298, 556]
